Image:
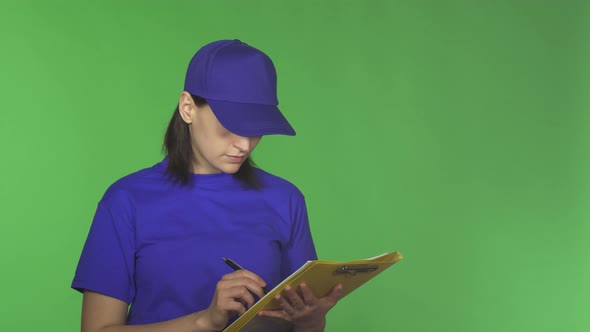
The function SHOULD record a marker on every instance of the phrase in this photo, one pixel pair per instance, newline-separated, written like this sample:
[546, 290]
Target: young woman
[152, 260]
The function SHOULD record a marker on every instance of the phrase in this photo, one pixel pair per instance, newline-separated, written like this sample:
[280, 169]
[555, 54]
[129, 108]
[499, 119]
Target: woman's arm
[102, 313]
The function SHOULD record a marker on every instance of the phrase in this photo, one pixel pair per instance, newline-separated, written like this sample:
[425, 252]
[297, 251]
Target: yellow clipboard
[321, 276]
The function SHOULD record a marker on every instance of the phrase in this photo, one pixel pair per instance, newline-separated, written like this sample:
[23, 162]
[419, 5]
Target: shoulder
[147, 179]
[277, 186]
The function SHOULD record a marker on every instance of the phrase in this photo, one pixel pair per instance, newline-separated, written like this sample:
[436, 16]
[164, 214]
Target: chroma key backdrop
[455, 132]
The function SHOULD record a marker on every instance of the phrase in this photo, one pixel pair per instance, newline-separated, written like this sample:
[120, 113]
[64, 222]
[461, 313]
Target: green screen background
[456, 132]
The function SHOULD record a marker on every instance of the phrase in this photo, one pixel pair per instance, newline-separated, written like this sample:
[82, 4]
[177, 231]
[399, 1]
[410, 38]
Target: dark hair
[179, 152]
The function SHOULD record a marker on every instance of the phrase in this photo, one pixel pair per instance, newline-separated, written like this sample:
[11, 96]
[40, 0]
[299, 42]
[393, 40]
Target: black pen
[237, 267]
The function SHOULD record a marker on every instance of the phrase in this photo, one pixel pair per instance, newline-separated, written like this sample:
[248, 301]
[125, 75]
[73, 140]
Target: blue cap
[239, 83]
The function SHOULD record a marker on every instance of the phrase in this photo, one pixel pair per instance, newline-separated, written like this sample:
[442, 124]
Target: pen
[237, 267]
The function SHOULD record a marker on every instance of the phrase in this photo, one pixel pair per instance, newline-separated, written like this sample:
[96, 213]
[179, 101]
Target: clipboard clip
[358, 268]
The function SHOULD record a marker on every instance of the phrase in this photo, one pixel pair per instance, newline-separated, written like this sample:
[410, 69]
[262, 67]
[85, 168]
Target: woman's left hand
[305, 311]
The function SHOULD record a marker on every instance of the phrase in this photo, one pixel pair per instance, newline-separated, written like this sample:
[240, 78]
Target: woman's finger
[334, 295]
[285, 305]
[234, 306]
[294, 298]
[245, 274]
[248, 283]
[240, 294]
[308, 296]
[274, 313]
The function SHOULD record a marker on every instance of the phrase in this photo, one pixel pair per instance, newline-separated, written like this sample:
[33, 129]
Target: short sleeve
[106, 264]
[300, 247]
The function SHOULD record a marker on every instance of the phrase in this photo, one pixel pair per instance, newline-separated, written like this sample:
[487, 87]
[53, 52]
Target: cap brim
[246, 119]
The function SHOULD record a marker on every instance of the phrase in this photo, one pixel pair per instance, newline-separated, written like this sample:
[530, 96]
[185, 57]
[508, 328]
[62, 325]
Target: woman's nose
[243, 143]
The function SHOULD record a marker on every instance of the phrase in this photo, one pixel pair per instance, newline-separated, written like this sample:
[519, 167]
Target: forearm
[195, 322]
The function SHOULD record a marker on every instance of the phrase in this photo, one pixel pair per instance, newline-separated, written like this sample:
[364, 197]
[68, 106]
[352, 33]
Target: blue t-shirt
[159, 246]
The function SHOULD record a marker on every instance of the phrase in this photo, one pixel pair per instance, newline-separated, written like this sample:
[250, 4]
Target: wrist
[203, 323]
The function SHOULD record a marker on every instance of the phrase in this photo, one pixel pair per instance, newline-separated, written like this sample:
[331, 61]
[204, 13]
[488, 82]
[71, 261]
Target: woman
[153, 257]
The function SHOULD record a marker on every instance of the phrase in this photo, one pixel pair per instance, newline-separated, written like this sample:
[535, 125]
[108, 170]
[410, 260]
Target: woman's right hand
[233, 295]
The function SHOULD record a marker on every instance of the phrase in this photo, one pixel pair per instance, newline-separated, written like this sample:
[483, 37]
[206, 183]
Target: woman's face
[216, 149]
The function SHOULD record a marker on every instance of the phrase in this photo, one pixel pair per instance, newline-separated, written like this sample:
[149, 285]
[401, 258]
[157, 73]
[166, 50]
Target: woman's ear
[186, 107]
